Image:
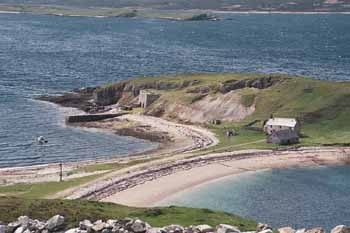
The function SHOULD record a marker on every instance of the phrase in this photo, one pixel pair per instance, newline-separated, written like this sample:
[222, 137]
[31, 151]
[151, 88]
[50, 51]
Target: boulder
[266, 231]
[36, 226]
[204, 228]
[98, 226]
[74, 230]
[315, 230]
[261, 227]
[173, 229]
[12, 226]
[137, 226]
[286, 230]
[154, 230]
[24, 221]
[341, 229]
[85, 225]
[55, 223]
[224, 228]
[2, 229]
[20, 229]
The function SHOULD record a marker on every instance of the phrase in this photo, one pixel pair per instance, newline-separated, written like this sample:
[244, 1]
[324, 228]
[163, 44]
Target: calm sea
[301, 198]
[50, 55]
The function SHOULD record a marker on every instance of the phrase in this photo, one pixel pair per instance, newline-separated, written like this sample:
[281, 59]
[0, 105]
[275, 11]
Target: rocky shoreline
[57, 224]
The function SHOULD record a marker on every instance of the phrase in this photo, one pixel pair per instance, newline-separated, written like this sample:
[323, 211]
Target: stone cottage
[283, 137]
[275, 124]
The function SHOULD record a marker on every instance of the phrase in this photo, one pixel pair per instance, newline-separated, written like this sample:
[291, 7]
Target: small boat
[42, 140]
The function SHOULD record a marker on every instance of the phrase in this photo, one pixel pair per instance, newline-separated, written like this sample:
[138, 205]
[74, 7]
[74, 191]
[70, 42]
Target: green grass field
[78, 210]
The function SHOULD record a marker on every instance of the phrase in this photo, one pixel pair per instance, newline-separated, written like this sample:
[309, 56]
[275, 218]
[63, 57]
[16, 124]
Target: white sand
[151, 192]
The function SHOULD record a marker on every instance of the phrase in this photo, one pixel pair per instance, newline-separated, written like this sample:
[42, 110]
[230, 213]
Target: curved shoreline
[152, 191]
[185, 139]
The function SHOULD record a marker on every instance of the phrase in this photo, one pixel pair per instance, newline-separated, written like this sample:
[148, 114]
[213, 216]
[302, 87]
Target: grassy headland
[78, 210]
[323, 107]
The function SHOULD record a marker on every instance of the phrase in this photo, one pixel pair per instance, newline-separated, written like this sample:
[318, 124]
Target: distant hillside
[233, 5]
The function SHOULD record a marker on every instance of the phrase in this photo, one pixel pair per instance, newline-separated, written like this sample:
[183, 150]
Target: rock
[20, 229]
[112, 222]
[286, 230]
[266, 231]
[316, 230]
[137, 226]
[98, 226]
[2, 229]
[107, 230]
[55, 223]
[74, 230]
[303, 230]
[173, 229]
[204, 228]
[224, 228]
[85, 225]
[341, 229]
[155, 230]
[36, 226]
[261, 227]
[24, 221]
[12, 226]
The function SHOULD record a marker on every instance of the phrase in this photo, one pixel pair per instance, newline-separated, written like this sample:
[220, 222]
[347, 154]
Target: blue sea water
[296, 197]
[49, 55]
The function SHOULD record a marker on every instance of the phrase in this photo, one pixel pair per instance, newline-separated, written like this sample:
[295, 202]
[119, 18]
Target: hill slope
[322, 107]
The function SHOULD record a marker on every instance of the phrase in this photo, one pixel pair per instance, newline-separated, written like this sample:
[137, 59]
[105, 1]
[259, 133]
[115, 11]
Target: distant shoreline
[193, 12]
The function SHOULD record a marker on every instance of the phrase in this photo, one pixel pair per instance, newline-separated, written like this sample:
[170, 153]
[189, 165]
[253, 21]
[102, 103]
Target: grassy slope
[75, 211]
[322, 106]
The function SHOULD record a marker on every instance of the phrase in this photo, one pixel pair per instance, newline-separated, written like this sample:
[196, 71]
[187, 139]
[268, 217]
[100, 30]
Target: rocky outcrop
[127, 225]
[341, 229]
[80, 99]
[113, 93]
[259, 83]
[57, 224]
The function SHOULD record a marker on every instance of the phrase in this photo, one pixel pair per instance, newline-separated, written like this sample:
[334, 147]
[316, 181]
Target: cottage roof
[289, 122]
[285, 134]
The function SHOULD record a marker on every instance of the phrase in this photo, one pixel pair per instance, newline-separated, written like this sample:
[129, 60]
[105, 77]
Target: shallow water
[50, 55]
[302, 197]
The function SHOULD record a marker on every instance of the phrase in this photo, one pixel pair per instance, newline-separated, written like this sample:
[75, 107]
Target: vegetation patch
[78, 210]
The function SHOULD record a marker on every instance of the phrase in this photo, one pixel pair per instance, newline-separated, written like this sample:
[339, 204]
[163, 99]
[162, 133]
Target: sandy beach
[153, 191]
[180, 139]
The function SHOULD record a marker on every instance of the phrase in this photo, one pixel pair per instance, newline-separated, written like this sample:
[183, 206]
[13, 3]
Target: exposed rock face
[112, 94]
[225, 107]
[259, 83]
[341, 229]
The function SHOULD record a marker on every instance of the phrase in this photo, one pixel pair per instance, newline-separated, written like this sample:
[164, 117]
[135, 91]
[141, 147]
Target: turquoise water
[299, 197]
[49, 55]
